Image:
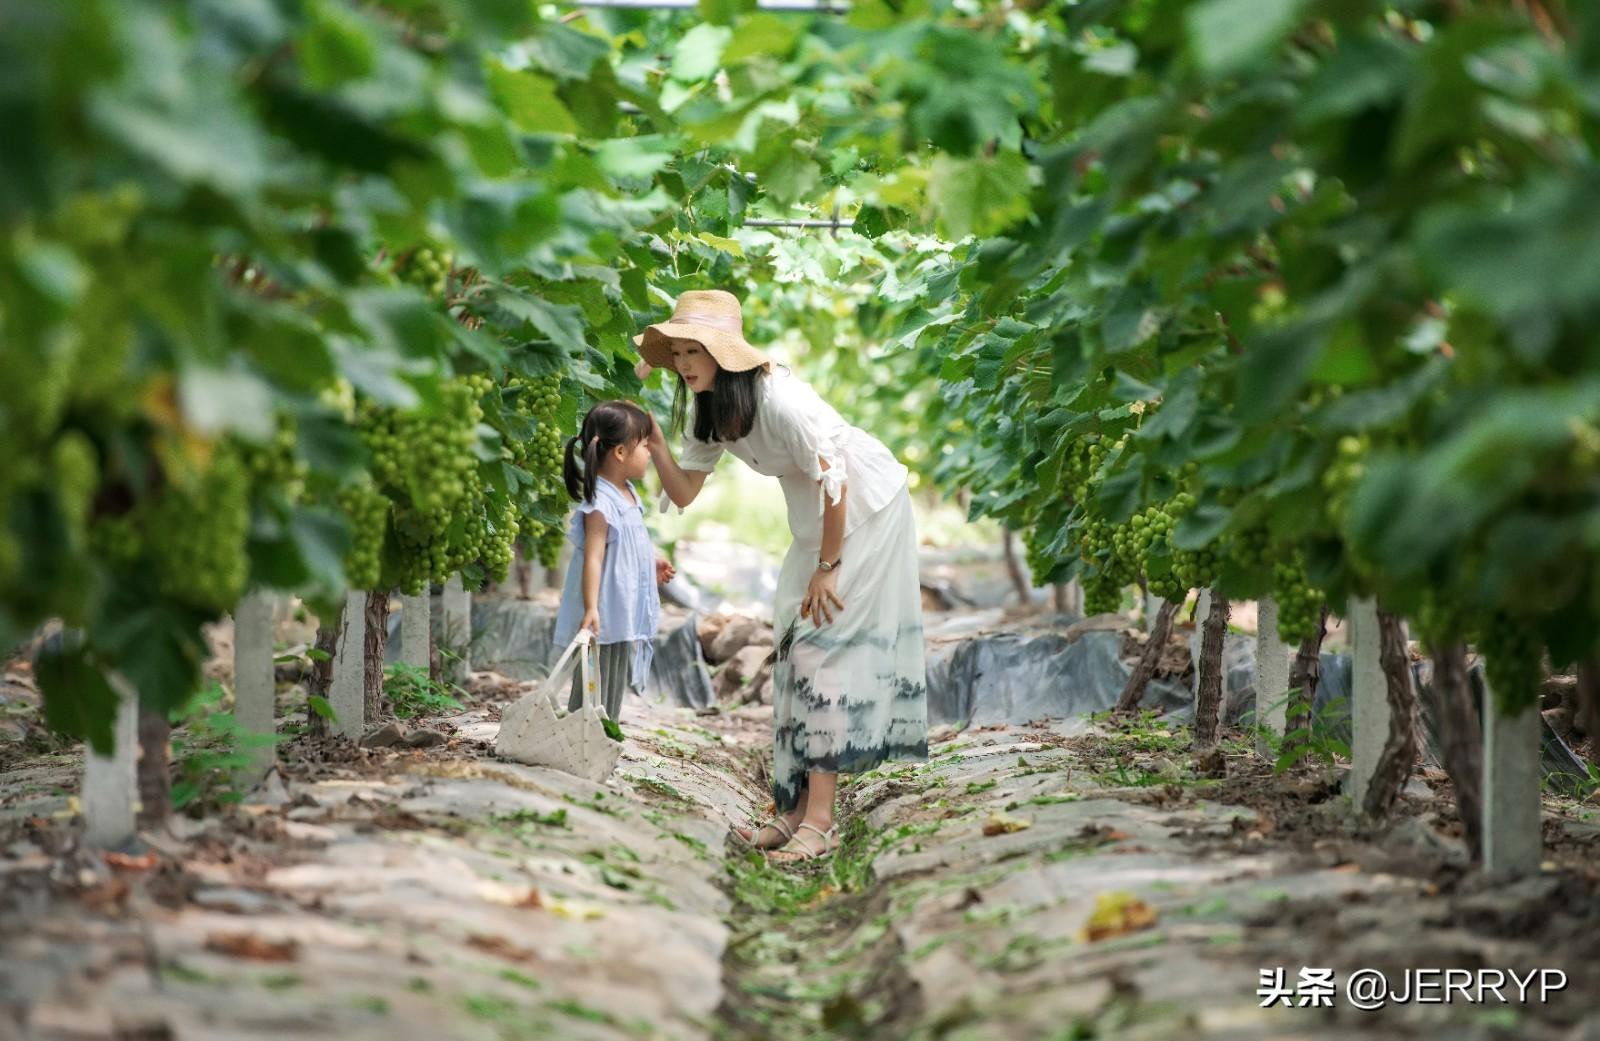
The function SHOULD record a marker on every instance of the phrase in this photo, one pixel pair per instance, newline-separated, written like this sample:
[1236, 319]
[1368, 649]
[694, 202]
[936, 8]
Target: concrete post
[1201, 611]
[111, 782]
[455, 631]
[1272, 673]
[346, 693]
[1512, 816]
[1369, 711]
[414, 630]
[254, 681]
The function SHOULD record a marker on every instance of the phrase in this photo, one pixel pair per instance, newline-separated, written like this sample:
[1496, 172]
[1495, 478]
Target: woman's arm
[832, 521]
[822, 596]
[680, 485]
[594, 556]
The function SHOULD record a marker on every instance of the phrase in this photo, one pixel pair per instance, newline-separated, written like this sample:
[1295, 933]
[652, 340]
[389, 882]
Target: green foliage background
[1322, 266]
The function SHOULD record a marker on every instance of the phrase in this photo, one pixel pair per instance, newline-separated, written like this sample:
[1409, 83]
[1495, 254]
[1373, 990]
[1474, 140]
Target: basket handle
[591, 674]
[582, 644]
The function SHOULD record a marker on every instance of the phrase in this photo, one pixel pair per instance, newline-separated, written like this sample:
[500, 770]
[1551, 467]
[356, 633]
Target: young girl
[610, 587]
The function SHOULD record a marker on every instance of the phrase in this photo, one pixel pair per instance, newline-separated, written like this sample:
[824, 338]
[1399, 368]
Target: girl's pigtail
[569, 471]
[591, 466]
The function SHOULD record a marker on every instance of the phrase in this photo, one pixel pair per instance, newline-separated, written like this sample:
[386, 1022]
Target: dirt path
[446, 894]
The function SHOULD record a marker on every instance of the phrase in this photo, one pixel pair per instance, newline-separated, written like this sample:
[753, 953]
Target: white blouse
[793, 427]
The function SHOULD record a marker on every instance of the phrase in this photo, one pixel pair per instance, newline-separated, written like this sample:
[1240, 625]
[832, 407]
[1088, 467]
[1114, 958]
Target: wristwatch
[823, 565]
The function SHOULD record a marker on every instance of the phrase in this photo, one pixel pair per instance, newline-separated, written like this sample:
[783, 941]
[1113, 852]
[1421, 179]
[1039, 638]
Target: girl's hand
[664, 571]
[821, 598]
[591, 621]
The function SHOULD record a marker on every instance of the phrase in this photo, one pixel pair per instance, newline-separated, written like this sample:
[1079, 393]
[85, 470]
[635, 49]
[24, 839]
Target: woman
[849, 689]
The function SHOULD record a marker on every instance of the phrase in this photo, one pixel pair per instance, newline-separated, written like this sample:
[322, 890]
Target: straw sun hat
[711, 318]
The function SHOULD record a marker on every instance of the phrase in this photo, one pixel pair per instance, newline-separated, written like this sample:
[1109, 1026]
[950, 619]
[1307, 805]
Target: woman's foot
[812, 839]
[770, 835]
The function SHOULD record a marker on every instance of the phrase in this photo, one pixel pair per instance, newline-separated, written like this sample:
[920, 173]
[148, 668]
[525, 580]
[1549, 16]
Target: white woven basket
[532, 732]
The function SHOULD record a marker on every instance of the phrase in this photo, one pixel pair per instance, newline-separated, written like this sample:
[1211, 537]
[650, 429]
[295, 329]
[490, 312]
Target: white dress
[851, 693]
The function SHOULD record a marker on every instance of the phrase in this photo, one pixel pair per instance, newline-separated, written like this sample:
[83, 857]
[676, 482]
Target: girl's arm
[680, 485]
[594, 556]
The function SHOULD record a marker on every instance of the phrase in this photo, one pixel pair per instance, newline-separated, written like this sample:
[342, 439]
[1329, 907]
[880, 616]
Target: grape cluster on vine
[539, 399]
[1343, 473]
[277, 464]
[426, 268]
[366, 511]
[196, 531]
[1299, 604]
[1251, 548]
[1513, 660]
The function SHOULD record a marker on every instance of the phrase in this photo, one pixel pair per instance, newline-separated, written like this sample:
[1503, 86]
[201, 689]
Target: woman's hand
[591, 621]
[664, 571]
[643, 370]
[656, 440]
[822, 598]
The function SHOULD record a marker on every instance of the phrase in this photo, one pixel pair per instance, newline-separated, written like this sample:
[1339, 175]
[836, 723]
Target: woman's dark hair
[608, 424]
[726, 412]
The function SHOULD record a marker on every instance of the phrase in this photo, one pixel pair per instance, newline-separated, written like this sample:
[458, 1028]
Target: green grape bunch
[195, 533]
[1250, 549]
[1102, 594]
[277, 463]
[1343, 474]
[1195, 568]
[540, 399]
[1299, 604]
[1153, 542]
[1513, 660]
[366, 511]
[549, 546]
[426, 268]
[425, 461]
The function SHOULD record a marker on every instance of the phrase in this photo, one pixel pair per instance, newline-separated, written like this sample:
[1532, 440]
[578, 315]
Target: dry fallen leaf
[500, 947]
[128, 863]
[1116, 913]
[249, 945]
[822, 896]
[1001, 824]
[105, 896]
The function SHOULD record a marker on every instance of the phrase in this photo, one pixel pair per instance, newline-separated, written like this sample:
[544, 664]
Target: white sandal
[805, 852]
[777, 824]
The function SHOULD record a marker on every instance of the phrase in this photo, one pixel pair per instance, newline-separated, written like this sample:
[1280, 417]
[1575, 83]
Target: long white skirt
[852, 693]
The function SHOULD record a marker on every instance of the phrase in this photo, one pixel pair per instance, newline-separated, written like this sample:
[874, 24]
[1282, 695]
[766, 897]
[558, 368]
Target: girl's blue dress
[629, 604]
